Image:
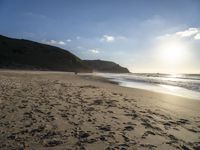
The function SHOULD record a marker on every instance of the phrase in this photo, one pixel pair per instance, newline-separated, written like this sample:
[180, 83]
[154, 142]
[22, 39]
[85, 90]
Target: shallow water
[184, 85]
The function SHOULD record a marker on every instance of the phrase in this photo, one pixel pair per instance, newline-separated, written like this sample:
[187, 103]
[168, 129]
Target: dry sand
[55, 110]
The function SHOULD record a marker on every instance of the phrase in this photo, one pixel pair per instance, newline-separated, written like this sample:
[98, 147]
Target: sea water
[184, 85]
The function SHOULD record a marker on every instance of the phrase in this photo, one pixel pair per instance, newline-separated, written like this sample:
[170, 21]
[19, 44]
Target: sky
[144, 35]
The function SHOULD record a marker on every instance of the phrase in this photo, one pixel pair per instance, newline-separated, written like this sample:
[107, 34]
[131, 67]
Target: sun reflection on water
[169, 87]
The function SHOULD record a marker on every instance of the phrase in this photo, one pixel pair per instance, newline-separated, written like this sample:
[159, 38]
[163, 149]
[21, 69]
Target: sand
[56, 110]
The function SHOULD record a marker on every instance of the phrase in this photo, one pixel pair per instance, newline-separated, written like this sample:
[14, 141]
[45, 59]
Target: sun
[172, 52]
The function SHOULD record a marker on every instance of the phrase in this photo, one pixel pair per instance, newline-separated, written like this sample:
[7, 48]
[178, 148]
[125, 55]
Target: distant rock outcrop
[106, 66]
[25, 54]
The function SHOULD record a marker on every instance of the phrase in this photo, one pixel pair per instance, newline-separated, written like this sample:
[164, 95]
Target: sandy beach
[57, 110]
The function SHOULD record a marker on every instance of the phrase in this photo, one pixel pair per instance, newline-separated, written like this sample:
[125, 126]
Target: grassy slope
[24, 54]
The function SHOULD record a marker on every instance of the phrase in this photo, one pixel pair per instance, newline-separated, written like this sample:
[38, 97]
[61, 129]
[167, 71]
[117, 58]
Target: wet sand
[56, 110]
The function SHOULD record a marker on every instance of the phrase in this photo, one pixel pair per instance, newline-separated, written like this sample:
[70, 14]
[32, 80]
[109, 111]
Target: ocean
[184, 85]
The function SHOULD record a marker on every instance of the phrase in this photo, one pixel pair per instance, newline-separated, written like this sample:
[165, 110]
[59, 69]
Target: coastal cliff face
[25, 54]
[106, 66]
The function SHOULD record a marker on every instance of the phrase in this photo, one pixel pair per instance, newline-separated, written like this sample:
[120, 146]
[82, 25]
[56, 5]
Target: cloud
[193, 33]
[95, 51]
[54, 42]
[188, 33]
[107, 38]
[68, 40]
[162, 37]
[61, 43]
[197, 36]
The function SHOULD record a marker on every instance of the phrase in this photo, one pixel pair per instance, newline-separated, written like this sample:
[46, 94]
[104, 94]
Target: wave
[189, 83]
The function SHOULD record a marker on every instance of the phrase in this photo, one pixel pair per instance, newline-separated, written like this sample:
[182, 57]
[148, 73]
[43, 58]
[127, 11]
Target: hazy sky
[143, 35]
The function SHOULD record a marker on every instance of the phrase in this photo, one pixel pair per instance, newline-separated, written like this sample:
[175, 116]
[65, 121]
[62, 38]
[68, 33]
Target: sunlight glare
[172, 52]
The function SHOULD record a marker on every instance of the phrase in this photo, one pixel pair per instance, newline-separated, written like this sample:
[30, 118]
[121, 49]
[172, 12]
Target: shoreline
[106, 80]
[158, 86]
[59, 110]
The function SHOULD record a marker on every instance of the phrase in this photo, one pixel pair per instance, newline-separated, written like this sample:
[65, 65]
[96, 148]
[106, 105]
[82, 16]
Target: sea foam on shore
[185, 85]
